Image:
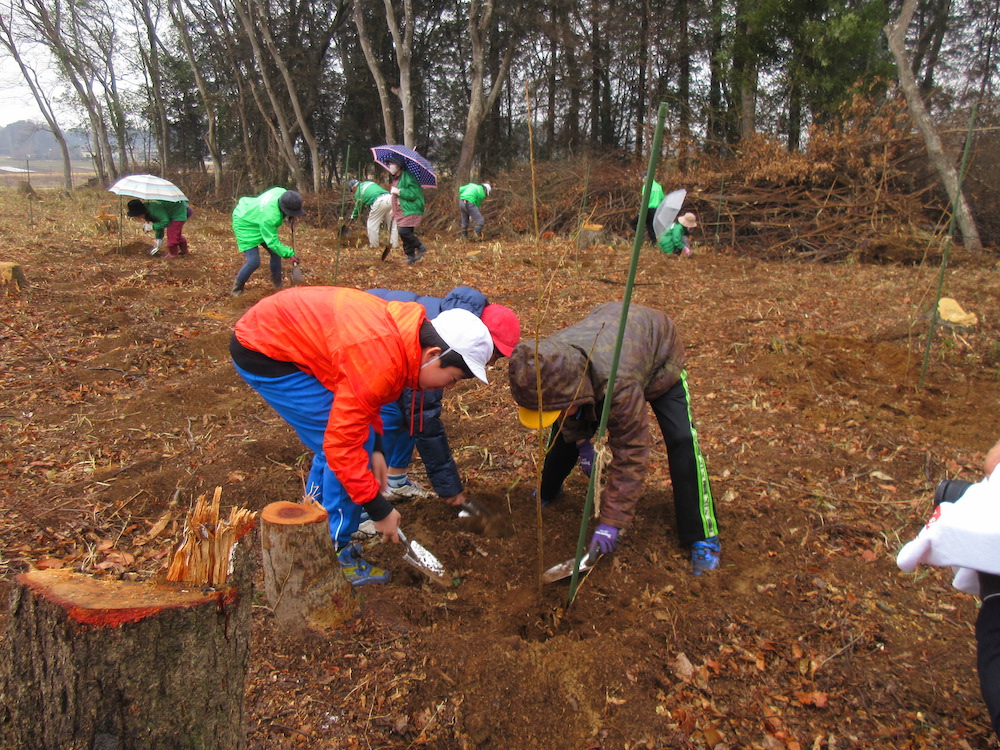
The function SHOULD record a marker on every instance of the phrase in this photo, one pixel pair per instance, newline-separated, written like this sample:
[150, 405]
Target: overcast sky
[16, 101]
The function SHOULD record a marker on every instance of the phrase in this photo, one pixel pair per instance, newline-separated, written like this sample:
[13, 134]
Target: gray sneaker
[365, 531]
[409, 491]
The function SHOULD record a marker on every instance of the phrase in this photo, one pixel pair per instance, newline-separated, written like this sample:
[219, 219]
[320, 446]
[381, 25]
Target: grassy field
[47, 173]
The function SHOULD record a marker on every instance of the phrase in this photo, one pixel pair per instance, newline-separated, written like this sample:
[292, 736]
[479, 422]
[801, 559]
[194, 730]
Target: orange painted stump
[101, 663]
[303, 581]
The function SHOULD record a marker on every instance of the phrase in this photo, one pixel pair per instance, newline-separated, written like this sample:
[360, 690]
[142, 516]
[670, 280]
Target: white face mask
[431, 361]
[393, 168]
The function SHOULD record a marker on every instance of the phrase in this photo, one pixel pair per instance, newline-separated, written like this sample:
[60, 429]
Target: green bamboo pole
[947, 246]
[340, 233]
[640, 231]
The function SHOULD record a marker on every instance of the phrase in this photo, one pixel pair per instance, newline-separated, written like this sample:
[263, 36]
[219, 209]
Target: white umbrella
[667, 211]
[148, 187]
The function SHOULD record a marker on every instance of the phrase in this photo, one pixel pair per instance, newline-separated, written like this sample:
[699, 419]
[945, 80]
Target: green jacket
[411, 195]
[164, 212]
[655, 195]
[674, 239]
[256, 221]
[575, 366]
[473, 193]
[365, 195]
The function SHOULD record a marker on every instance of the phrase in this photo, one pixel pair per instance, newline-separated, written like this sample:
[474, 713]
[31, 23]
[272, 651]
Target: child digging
[326, 359]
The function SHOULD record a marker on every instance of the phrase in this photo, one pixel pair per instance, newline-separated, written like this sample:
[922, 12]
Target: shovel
[565, 569]
[417, 556]
[385, 253]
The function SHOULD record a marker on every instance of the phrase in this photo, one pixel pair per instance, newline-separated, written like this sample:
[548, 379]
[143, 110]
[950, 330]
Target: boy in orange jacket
[327, 359]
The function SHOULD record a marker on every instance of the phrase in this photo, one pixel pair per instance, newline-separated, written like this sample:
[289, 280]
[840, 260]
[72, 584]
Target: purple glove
[604, 540]
[586, 456]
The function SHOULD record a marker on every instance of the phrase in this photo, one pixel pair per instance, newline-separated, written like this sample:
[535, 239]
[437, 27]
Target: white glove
[394, 190]
[147, 227]
[159, 243]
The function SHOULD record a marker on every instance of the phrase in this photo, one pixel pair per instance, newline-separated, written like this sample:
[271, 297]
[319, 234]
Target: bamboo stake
[640, 230]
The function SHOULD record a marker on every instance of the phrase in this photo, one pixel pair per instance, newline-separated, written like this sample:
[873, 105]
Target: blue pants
[251, 262]
[305, 403]
[397, 441]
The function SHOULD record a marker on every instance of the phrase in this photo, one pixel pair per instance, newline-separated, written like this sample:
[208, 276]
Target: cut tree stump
[95, 663]
[302, 576]
[12, 278]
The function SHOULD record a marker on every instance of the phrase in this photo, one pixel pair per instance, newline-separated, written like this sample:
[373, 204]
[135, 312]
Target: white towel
[964, 535]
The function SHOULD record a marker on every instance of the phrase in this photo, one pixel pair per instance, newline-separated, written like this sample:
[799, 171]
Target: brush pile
[851, 195]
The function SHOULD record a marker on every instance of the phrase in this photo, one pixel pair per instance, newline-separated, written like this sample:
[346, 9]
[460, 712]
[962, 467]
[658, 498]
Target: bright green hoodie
[365, 195]
[256, 221]
[473, 193]
[655, 195]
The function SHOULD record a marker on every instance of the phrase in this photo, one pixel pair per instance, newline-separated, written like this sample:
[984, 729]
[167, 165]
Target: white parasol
[148, 187]
[667, 211]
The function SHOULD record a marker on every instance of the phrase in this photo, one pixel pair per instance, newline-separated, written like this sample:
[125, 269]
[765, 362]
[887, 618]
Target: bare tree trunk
[896, 34]
[641, 116]
[211, 137]
[480, 23]
[8, 42]
[293, 97]
[151, 61]
[380, 83]
[403, 44]
[683, 84]
[283, 131]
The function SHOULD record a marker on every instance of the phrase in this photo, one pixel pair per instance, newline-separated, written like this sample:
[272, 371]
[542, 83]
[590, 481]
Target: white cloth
[964, 535]
[379, 213]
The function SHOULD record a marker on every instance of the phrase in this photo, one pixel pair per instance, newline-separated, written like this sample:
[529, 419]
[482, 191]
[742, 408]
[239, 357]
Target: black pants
[694, 508]
[988, 657]
[650, 232]
[411, 243]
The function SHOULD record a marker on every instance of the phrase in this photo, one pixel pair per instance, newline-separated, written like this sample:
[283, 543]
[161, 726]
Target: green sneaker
[357, 570]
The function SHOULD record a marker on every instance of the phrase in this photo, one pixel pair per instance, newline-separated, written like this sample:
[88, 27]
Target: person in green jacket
[655, 199]
[255, 224]
[407, 207]
[378, 201]
[470, 199]
[160, 216]
[675, 240]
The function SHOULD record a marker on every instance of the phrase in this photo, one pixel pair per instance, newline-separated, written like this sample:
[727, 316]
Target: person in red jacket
[327, 359]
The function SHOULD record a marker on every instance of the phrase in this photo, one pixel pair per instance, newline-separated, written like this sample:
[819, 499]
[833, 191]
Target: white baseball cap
[466, 334]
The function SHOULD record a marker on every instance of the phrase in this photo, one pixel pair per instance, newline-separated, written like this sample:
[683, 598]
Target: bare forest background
[229, 97]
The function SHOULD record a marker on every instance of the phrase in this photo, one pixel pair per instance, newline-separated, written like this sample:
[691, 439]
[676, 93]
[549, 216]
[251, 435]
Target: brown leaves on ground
[121, 408]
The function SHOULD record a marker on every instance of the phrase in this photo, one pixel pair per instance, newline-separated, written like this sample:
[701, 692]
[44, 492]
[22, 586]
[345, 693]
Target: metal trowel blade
[565, 569]
[421, 559]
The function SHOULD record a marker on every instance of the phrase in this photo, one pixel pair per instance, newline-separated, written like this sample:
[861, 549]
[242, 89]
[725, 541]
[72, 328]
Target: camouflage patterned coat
[651, 362]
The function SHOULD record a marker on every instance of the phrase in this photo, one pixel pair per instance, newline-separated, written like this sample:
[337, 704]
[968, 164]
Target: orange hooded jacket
[360, 347]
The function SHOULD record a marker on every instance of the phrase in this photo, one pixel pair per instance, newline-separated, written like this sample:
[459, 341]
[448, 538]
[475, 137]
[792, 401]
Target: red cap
[504, 327]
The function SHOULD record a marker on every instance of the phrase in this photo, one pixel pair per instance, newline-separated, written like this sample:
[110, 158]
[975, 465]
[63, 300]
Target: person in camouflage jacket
[574, 365]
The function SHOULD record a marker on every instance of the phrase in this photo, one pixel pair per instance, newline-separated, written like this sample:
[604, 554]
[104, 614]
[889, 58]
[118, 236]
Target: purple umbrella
[416, 165]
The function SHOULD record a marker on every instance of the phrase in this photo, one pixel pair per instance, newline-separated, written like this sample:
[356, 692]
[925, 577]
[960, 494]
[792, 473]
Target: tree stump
[12, 278]
[591, 234]
[99, 663]
[302, 576]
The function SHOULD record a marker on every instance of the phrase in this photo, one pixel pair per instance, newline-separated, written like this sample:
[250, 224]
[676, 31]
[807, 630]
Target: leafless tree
[943, 164]
[481, 26]
[10, 41]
